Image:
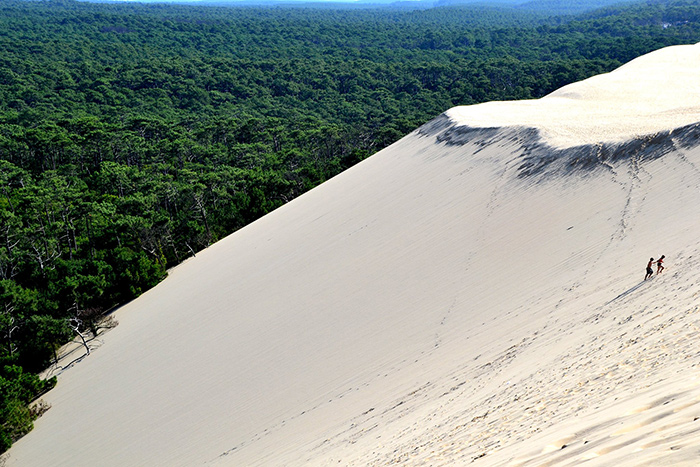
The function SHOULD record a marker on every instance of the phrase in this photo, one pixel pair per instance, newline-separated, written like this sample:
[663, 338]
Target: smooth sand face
[655, 92]
[426, 307]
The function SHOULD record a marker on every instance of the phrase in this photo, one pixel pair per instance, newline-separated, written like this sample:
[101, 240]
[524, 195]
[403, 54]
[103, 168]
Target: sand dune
[473, 293]
[656, 92]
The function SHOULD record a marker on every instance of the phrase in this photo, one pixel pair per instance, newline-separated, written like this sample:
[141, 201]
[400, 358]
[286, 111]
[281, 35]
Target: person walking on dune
[650, 271]
[660, 265]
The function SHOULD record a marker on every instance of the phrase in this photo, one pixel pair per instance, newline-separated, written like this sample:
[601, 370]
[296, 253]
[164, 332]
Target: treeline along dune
[133, 136]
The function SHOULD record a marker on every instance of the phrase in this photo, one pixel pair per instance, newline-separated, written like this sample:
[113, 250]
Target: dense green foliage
[132, 136]
[17, 390]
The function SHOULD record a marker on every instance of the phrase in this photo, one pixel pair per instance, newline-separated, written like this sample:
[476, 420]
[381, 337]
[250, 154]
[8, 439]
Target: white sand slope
[462, 296]
[655, 92]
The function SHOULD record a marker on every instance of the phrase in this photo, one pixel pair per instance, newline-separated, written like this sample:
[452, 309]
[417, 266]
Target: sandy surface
[657, 91]
[428, 306]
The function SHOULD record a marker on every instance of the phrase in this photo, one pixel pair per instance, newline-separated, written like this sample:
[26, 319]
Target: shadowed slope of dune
[471, 293]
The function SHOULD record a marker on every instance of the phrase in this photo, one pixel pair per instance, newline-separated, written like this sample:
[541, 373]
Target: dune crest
[468, 294]
[657, 92]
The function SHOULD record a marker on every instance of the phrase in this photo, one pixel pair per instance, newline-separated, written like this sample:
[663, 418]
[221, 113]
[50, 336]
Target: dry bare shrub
[39, 408]
[94, 320]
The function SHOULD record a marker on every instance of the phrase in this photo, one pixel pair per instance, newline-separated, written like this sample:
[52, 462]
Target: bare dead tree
[8, 257]
[75, 324]
[199, 206]
[10, 328]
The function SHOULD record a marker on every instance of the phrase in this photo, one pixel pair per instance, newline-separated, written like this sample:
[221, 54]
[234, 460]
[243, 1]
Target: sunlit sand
[655, 92]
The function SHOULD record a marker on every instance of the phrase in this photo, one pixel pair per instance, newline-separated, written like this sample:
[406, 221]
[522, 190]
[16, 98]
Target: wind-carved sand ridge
[538, 157]
[472, 294]
[651, 94]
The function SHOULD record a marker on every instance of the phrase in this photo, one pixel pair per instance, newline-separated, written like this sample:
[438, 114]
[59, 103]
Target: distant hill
[571, 6]
[548, 6]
